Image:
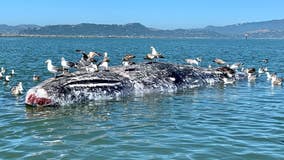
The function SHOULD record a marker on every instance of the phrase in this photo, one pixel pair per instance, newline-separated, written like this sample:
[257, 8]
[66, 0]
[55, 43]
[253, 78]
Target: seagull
[227, 71]
[36, 77]
[199, 59]
[126, 61]
[149, 56]
[66, 64]
[3, 70]
[219, 61]
[1, 75]
[12, 72]
[87, 56]
[264, 60]
[228, 81]
[17, 90]
[105, 62]
[93, 54]
[265, 69]
[268, 75]
[276, 80]
[236, 66]
[128, 57]
[51, 68]
[86, 59]
[250, 70]
[7, 78]
[83, 61]
[193, 61]
[155, 53]
[261, 70]
[92, 68]
[251, 77]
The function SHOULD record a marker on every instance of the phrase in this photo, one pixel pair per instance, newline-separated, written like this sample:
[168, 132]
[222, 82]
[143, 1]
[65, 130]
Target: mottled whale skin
[82, 86]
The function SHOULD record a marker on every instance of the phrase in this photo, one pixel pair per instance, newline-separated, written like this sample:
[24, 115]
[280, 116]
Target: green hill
[265, 29]
[131, 30]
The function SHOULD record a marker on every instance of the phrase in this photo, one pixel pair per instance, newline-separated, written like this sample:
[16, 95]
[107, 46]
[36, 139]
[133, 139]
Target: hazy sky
[153, 13]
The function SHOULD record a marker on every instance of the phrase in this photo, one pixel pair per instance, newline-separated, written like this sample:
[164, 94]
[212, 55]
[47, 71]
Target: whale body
[82, 86]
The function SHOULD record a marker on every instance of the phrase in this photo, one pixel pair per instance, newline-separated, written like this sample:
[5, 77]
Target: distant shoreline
[66, 36]
[93, 36]
[113, 36]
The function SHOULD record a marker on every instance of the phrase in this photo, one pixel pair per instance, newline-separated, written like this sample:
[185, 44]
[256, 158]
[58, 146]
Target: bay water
[240, 121]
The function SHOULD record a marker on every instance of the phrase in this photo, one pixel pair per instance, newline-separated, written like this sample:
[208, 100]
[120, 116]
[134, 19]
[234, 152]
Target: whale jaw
[38, 97]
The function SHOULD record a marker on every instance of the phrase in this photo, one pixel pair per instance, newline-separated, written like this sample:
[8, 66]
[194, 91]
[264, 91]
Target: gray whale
[82, 86]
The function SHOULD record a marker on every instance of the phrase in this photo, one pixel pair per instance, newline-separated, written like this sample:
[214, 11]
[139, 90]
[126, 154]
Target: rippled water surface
[240, 121]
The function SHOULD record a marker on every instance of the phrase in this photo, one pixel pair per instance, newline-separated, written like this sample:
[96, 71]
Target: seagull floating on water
[17, 90]
[12, 72]
[7, 78]
[251, 77]
[268, 75]
[251, 74]
[264, 60]
[250, 70]
[36, 77]
[228, 81]
[262, 70]
[276, 80]
[3, 70]
[51, 68]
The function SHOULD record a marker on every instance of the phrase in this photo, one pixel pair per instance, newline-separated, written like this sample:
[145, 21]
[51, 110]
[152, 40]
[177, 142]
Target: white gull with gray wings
[81, 86]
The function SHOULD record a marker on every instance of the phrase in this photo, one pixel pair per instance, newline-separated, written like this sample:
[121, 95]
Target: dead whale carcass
[82, 86]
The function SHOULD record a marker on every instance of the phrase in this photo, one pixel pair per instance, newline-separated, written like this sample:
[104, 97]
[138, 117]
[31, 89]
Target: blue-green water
[241, 121]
